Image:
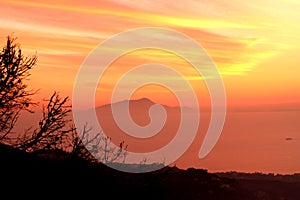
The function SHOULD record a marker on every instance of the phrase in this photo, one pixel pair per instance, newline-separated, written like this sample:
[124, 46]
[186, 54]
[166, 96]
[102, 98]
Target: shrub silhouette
[56, 130]
[53, 131]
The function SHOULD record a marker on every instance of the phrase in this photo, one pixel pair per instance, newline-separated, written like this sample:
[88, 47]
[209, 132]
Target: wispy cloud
[238, 35]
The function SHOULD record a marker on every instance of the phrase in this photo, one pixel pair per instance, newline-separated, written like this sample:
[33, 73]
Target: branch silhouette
[14, 94]
[55, 130]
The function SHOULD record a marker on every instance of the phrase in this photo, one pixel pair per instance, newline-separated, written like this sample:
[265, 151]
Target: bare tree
[14, 95]
[97, 147]
[84, 145]
[56, 131]
[54, 128]
[110, 153]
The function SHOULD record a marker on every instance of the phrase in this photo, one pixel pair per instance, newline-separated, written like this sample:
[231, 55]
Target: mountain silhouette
[139, 110]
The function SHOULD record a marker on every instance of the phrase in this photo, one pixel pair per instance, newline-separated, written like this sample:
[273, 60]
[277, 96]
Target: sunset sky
[254, 44]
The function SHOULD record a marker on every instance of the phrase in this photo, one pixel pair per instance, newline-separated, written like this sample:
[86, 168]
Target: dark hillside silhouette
[61, 171]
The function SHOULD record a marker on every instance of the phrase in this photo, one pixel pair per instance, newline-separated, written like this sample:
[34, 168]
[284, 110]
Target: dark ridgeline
[51, 161]
[69, 175]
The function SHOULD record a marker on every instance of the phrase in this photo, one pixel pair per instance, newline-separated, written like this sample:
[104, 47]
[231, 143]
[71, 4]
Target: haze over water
[254, 45]
[251, 141]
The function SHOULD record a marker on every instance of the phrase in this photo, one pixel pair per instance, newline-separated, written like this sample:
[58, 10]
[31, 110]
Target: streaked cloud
[238, 35]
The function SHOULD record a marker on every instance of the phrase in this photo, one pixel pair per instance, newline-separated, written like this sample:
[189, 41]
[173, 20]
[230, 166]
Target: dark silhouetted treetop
[14, 94]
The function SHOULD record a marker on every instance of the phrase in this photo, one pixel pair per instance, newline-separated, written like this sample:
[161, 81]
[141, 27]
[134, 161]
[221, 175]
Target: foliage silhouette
[55, 130]
[14, 94]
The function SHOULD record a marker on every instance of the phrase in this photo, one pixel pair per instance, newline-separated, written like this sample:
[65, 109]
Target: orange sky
[254, 44]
